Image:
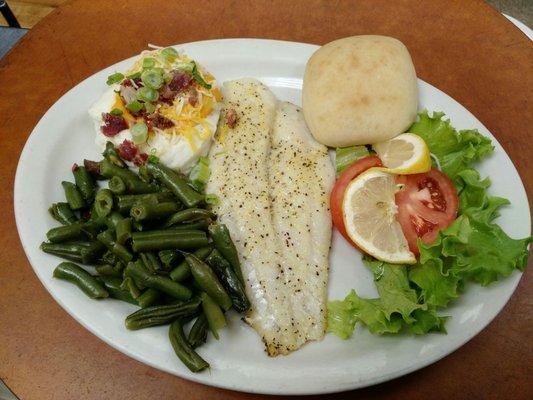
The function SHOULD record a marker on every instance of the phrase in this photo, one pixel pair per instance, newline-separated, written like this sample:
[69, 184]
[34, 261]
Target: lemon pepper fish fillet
[239, 178]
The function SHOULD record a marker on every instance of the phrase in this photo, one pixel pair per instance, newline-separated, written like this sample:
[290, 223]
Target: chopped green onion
[200, 174]
[135, 75]
[211, 198]
[170, 53]
[159, 70]
[152, 79]
[139, 133]
[148, 62]
[134, 106]
[116, 111]
[153, 159]
[115, 78]
[147, 94]
[184, 66]
[346, 156]
[150, 107]
[198, 77]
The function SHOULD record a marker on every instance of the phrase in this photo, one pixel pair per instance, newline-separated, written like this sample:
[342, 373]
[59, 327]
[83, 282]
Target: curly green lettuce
[472, 249]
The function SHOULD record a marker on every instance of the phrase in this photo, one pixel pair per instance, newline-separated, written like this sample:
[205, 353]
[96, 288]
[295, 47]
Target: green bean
[183, 271]
[148, 298]
[151, 262]
[92, 227]
[65, 233]
[183, 349]
[137, 226]
[146, 211]
[112, 219]
[169, 258]
[161, 315]
[70, 251]
[188, 215]
[110, 270]
[144, 174]
[73, 195]
[198, 333]
[132, 181]
[161, 283]
[84, 182]
[93, 168]
[92, 252]
[185, 240]
[110, 153]
[129, 285]
[81, 278]
[208, 281]
[112, 285]
[123, 230]
[110, 258]
[107, 238]
[223, 243]
[175, 183]
[229, 280]
[161, 233]
[213, 313]
[62, 213]
[125, 202]
[200, 225]
[103, 202]
[117, 185]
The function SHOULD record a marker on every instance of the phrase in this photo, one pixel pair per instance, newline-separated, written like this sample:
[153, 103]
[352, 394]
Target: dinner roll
[359, 90]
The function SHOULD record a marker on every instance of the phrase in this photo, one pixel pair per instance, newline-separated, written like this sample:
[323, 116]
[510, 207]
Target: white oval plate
[65, 135]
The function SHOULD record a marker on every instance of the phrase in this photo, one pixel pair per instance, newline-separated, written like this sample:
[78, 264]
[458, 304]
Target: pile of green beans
[150, 240]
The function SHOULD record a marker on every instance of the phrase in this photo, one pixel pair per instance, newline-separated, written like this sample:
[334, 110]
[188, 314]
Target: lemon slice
[369, 213]
[404, 154]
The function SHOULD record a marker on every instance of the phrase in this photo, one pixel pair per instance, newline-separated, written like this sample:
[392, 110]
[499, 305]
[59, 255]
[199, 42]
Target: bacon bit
[113, 124]
[92, 167]
[159, 121]
[127, 150]
[75, 167]
[180, 81]
[193, 96]
[140, 159]
[231, 118]
[167, 95]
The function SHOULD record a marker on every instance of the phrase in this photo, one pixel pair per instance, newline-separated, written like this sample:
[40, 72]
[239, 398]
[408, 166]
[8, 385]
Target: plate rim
[225, 385]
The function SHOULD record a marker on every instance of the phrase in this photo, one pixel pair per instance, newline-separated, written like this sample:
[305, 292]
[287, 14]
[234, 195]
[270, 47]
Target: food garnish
[452, 251]
[404, 154]
[369, 213]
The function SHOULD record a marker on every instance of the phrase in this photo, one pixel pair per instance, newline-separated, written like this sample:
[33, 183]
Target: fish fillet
[301, 177]
[273, 181]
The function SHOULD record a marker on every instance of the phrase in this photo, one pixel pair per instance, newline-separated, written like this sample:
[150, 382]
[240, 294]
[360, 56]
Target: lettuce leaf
[396, 308]
[346, 156]
[455, 150]
[473, 248]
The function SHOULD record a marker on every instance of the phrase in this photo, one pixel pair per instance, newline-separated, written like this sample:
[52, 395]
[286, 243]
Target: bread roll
[359, 90]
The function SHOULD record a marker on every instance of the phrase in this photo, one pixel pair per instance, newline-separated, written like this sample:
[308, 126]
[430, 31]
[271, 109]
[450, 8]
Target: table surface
[466, 49]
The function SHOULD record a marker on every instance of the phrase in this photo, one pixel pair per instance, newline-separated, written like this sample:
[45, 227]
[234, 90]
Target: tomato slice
[337, 194]
[426, 204]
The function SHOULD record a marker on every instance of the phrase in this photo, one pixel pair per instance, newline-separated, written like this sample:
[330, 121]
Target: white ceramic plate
[65, 135]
